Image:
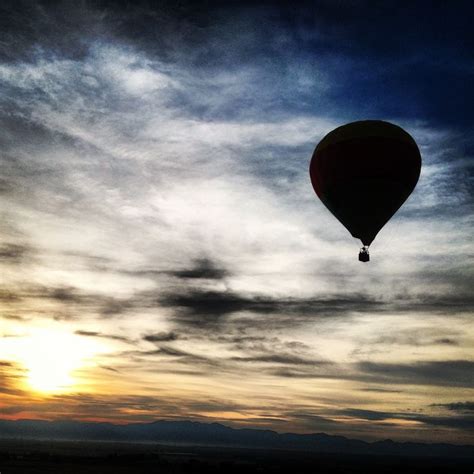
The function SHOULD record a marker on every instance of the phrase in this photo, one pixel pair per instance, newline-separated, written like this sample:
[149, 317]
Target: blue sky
[157, 214]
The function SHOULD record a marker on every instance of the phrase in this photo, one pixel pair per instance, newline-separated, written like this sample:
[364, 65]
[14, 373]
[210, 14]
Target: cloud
[199, 365]
[379, 390]
[458, 422]
[203, 269]
[208, 307]
[367, 414]
[449, 373]
[454, 373]
[14, 253]
[285, 359]
[418, 336]
[456, 406]
[115, 337]
[312, 421]
[10, 372]
[67, 303]
[199, 269]
[447, 341]
[161, 337]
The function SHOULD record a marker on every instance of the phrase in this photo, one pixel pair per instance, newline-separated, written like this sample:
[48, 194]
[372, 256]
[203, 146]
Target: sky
[162, 252]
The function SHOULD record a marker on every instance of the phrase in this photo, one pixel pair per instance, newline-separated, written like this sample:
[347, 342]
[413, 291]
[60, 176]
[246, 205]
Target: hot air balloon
[363, 172]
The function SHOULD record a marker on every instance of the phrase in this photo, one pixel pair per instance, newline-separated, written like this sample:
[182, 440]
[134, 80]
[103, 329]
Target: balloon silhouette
[363, 172]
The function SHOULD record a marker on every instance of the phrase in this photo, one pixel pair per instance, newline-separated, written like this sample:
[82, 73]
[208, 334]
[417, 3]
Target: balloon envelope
[363, 172]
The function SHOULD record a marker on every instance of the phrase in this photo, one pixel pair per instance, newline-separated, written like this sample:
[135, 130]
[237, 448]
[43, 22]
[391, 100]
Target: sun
[51, 357]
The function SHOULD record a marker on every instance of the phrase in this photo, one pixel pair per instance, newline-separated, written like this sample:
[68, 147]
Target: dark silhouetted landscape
[184, 446]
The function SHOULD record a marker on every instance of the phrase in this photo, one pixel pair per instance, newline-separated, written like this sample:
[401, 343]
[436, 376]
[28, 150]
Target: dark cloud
[119, 407]
[130, 408]
[200, 269]
[56, 26]
[161, 337]
[440, 304]
[201, 307]
[208, 304]
[170, 351]
[215, 405]
[416, 337]
[12, 410]
[379, 390]
[379, 69]
[241, 341]
[197, 306]
[311, 421]
[14, 317]
[298, 373]
[9, 296]
[203, 269]
[456, 406]
[102, 335]
[14, 253]
[109, 368]
[455, 278]
[66, 294]
[273, 352]
[456, 373]
[447, 341]
[259, 345]
[367, 414]
[449, 373]
[71, 301]
[457, 422]
[285, 359]
[182, 357]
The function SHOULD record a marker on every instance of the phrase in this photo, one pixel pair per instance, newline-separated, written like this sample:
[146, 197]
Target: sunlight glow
[52, 356]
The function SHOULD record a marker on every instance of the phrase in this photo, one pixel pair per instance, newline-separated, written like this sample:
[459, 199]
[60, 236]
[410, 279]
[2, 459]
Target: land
[70, 457]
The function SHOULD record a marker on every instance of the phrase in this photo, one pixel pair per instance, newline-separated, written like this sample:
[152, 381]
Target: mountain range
[216, 434]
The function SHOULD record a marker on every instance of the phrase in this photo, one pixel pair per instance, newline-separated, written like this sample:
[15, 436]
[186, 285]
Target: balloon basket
[364, 254]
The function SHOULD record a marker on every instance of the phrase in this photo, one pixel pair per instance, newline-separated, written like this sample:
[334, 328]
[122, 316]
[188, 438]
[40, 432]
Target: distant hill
[216, 434]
